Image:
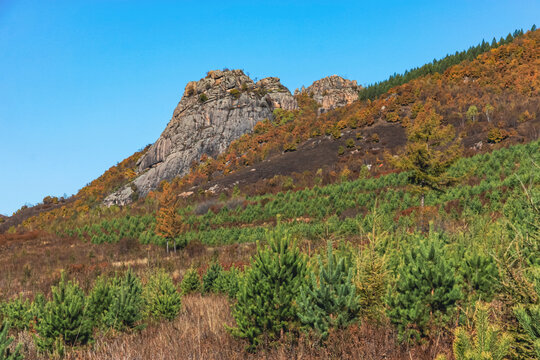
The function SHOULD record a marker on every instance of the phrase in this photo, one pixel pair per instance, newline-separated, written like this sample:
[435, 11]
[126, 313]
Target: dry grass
[33, 262]
[199, 333]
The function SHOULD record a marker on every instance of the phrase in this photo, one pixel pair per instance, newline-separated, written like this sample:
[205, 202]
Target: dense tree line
[375, 90]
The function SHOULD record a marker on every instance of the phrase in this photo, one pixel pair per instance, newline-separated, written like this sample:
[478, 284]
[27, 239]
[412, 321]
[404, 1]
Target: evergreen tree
[269, 288]
[209, 279]
[99, 300]
[228, 282]
[487, 342]
[6, 353]
[190, 282]
[430, 150]
[18, 312]
[426, 288]
[480, 274]
[162, 300]
[126, 306]
[329, 301]
[64, 317]
[528, 315]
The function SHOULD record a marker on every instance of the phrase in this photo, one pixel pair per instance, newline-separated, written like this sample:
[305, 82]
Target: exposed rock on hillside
[212, 113]
[332, 92]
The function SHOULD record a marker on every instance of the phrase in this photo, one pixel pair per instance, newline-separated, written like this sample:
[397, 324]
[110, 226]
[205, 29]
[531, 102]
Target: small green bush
[209, 279]
[125, 311]
[191, 282]
[349, 143]
[487, 343]
[64, 317]
[329, 301]
[162, 300]
[426, 288]
[6, 353]
[341, 150]
[203, 97]
[235, 93]
[18, 313]
[100, 299]
[228, 282]
[266, 299]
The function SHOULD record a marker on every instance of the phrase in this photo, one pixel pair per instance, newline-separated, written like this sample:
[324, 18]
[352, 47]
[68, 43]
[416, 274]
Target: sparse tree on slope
[168, 223]
[431, 149]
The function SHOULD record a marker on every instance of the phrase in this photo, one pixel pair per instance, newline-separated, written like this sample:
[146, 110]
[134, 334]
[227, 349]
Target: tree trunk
[422, 225]
[167, 246]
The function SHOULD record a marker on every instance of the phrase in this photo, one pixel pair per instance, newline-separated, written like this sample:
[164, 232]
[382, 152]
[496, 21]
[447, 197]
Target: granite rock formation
[332, 92]
[212, 113]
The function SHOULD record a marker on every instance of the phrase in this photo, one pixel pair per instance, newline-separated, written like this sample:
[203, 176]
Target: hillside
[398, 224]
[300, 141]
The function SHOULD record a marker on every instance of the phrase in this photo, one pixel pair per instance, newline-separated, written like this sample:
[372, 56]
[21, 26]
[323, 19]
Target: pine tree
[487, 342]
[480, 273]
[126, 307]
[426, 288]
[430, 150]
[371, 282]
[268, 291]
[528, 315]
[162, 300]
[99, 300]
[64, 317]
[209, 279]
[529, 320]
[6, 353]
[18, 312]
[190, 282]
[228, 282]
[329, 301]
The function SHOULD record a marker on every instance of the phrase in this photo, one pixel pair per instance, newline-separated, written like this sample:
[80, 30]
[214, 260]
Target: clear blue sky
[84, 84]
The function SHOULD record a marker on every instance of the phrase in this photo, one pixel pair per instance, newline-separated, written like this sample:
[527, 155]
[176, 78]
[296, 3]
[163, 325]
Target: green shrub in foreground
[6, 353]
[228, 282]
[162, 300]
[209, 279]
[266, 298]
[329, 301]
[488, 342]
[190, 282]
[64, 317]
[426, 288]
[126, 307]
[18, 312]
[99, 300]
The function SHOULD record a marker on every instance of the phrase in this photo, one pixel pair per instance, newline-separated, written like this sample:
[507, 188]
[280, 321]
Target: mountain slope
[505, 78]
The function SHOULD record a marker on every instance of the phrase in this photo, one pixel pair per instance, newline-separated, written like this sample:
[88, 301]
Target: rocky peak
[212, 113]
[332, 92]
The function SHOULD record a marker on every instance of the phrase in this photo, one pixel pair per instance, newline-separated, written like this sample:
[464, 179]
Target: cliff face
[332, 92]
[212, 113]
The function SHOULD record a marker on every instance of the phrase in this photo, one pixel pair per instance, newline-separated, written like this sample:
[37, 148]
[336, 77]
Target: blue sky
[84, 84]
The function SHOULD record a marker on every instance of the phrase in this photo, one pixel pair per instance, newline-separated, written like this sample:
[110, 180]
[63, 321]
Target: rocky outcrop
[332, 92]
[212, 113]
